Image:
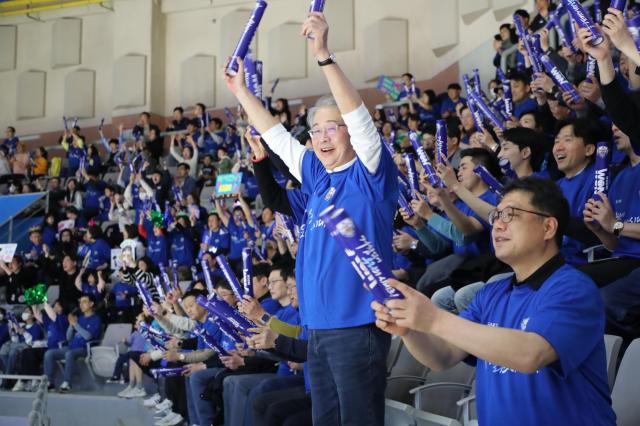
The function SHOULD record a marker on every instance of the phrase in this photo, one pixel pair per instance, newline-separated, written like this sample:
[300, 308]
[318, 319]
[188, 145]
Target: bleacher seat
[102, 358]
[443, 389]
[406, 374]
[612, 345]
[624, 395]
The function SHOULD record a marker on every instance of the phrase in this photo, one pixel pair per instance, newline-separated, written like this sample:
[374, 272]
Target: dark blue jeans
[347, 370]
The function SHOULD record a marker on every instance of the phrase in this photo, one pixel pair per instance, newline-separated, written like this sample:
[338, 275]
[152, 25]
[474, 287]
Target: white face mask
[26, 316]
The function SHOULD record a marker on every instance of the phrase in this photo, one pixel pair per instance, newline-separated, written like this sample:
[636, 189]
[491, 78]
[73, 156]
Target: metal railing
[38, 414]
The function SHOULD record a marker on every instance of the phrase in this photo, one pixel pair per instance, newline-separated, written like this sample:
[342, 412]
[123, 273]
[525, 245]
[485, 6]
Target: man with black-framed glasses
[537, 339]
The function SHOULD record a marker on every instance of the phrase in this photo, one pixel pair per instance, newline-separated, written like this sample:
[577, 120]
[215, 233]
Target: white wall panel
[31, 94]
[66, 46]
[79, 94]
[198, 81]
[129, 81]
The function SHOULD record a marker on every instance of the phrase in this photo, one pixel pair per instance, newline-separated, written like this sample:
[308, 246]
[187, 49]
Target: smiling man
[537, 339]
[348, 168]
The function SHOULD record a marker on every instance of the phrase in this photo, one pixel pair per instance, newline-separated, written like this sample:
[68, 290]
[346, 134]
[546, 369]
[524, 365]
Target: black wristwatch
[330, 60]
[265, 318]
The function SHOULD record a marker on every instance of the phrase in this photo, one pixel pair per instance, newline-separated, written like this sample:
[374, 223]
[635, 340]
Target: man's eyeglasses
[506, 215]
[274, 282]
[331, 130]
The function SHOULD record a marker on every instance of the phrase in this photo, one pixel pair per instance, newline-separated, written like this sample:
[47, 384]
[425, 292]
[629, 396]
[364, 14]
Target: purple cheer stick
[559, 78]
[225, 312]
[580, 16]
[412, 174]
[144, 294]
[441, 142]
[247, 36]
[601, 182]
[207, 276]
[618, 4]
[424, 159]
[166, 372]
[506, 169]
[64, 120]
[247, 271]
[75, 122]
[158, 286]
[564, 38]
[493, 183]
[316, 6]
[522, 34]
[476, 81]
[475, 113]
[230, 276]
[174, 273]
[165, 277]
[228, 330]
[486, 111]
[210, 341]
[404, 204]
[591, 68]
[362, 254]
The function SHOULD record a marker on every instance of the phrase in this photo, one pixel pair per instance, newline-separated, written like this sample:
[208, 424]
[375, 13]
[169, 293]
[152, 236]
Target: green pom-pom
[35, 295]
[156, 218]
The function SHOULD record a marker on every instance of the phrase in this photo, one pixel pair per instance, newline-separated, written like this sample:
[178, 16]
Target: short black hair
[194, 293]
[179, 108]
[453, 128]
[522, 13]
[483, 157]
[11, 129]
[145, 113]
[222, 283]
[89, 296]
[546, 197]
[217, 121]
[201, 105]
[185, 165]
[262, 269]
[455, 86]
[414, 117]
[521, 77]
[523, 138]
[95, 231]
[590, 131]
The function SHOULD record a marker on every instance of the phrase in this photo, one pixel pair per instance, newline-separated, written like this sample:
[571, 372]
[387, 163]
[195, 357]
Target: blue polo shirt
[157, 249]
[92, 324]
[238, 240]
[182, 247]
[219, 239]
[56, 330]
[577, 190]
[563, 306]
[100, 254]
[330, 291]
[625, 201]
[124, 295]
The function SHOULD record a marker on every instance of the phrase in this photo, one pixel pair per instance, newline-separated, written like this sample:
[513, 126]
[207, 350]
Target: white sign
[7, 251]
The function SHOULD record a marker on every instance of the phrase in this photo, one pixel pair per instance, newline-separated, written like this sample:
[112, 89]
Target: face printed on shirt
[332, 150]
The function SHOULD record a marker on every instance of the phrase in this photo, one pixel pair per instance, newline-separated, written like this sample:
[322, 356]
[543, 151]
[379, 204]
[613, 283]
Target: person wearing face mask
[26, 334]
[55, 322]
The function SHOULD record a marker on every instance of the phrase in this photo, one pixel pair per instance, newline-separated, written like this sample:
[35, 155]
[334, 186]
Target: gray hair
[326, 101]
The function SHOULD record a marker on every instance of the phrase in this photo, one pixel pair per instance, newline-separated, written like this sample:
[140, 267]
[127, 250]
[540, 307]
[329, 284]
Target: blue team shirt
[93, 290]
[449, 105]
[92, 324]
[56, 330]
[182, 247]
[219, 239]
[523, 106]
[157, 249]
[482, 242]
[100, 254]
[74, 155]
[238, 241]
[330, 292]
[270, 306]
[36, 332]
[567, 311]
[92, 193]
[624, 196]
[577, 190]
[124, 295]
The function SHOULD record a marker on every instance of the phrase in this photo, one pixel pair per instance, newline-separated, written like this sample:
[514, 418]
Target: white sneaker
[65, 387]
[153, 401]
[172, 419]
[34, 385]
[137, 393]
[164, 405]
[162, 414]
[20, 386]
[123, 393]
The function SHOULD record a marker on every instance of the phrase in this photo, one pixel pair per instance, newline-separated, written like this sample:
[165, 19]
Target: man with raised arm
[349, 168]
[537, 339]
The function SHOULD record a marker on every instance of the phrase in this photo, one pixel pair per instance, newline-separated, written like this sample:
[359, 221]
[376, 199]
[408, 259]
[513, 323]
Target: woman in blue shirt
[56, 324]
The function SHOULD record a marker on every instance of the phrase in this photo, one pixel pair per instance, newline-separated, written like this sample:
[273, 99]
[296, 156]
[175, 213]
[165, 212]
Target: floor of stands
[99, 407]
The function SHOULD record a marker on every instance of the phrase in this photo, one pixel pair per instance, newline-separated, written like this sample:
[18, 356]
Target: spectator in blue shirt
[241, 227]
[448, 105]
[520, 92]
[56, 324]
[538, 333]
[27, 333]
[346, 168]
[82, 329]
[10, 140]
[215, 238]
[91, 282]
[99, 255]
